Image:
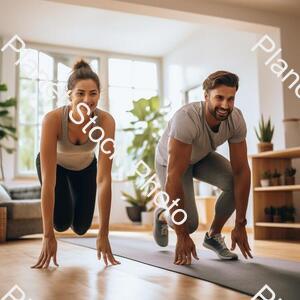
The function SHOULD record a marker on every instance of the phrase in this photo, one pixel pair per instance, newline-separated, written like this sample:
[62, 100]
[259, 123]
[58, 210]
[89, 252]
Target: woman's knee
[60, 227]
[80, 229]
[62, 219]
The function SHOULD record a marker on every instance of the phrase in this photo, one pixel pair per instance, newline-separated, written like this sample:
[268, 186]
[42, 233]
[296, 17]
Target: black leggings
[75, 193]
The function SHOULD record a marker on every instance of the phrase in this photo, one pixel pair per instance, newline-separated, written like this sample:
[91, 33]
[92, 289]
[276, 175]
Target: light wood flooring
[82, 276]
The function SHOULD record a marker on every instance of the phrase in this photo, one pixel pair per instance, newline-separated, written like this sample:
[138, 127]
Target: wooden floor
[82, 276]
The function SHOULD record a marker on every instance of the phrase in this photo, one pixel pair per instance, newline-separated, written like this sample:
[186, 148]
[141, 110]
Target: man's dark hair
[220, 78]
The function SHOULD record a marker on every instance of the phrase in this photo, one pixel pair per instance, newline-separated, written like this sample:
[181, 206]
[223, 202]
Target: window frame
[103, 72]
[187, 91]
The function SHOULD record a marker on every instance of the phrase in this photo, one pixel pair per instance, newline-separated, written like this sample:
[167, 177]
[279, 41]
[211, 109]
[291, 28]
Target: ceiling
[288, 7]
[284, 7]
[91, 28]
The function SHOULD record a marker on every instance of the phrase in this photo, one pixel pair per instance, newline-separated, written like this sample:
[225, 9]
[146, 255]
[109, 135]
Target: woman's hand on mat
[239, 236]
[103, 248]
[49, 250]
[185, 249]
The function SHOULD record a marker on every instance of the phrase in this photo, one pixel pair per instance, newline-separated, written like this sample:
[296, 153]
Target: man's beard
[219, 114]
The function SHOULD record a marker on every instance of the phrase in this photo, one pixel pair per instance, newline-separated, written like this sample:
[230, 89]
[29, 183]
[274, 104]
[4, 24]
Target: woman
[68, 169]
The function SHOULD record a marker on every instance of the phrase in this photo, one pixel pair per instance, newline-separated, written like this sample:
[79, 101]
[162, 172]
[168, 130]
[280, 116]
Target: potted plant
[269, 213]
[7, 130]
[265, 135]
[265, 178]
[275, 179]
[289, 176]
[138, 203]
[146, 129]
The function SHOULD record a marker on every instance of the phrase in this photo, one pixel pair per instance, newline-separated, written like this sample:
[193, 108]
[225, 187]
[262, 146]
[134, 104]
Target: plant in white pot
[138, 203]
[265, 135]
[265, 178]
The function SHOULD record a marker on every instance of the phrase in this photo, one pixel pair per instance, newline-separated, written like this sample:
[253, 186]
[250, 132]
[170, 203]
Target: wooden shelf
[277, 196]
[295, 187]
[281, 225]
[287, 153]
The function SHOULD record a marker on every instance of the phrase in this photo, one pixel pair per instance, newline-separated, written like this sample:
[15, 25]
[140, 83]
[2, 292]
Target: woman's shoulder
[105, 117]
[53, 117]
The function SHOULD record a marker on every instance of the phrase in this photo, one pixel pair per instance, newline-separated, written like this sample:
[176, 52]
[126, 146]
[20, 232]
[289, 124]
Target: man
[186, 150]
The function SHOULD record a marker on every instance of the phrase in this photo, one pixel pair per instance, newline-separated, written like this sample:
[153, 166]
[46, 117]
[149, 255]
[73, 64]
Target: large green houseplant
[146, 129]
[265, 135]
[7, 129]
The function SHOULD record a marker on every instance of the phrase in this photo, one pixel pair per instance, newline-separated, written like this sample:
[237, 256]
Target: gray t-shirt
[189, 126]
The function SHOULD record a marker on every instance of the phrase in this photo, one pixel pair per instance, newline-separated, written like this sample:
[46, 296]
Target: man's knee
[227, 182]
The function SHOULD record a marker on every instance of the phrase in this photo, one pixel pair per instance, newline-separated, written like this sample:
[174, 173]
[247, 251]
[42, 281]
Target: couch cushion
[25, 192]
[4, 196]
[24, 209]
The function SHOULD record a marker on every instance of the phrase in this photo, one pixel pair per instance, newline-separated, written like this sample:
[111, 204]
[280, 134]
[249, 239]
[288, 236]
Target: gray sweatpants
[213, 169]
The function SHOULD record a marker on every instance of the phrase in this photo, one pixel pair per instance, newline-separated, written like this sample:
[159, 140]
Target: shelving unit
[273, 195]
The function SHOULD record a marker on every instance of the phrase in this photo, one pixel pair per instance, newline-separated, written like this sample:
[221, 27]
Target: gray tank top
[75, 157]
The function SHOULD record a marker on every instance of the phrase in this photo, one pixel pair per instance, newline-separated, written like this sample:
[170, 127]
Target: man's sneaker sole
[220, 256]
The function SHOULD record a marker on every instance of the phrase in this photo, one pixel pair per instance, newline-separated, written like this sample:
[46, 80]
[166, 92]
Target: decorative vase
[277, 219]
[289, 180]
[275, 181]
[262, 147]
[268, 218]
[264, 182]
[134, 213]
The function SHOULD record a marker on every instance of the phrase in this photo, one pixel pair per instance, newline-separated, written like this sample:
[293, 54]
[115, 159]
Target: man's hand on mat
[185, 249]
[239, 236]
[103, 247]
[49, 250]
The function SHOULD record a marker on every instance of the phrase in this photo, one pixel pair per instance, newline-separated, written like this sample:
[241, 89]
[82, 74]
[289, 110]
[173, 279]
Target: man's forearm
[241, 194]
[174, 189]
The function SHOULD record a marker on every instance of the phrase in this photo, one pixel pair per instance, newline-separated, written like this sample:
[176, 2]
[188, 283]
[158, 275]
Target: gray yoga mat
[245, 276]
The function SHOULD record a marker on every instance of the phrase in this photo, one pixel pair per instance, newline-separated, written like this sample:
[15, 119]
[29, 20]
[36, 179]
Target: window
[128, 80]
[194, 94]
[42, 87]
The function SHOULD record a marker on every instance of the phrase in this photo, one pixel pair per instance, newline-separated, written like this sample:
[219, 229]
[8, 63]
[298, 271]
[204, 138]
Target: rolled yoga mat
[245, 276]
